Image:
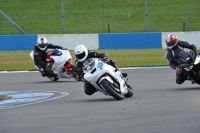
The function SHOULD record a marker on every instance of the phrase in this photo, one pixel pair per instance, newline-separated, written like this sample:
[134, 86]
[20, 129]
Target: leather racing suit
[40, 57]
[172, 55]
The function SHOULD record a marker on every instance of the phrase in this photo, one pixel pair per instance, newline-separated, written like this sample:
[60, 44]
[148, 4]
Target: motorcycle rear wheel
[75, 73]
[106, 85]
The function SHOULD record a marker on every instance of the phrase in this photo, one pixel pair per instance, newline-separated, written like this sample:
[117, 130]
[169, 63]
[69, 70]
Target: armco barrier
[92, 41]
[130, 40]
[17, 42]
[142, 40]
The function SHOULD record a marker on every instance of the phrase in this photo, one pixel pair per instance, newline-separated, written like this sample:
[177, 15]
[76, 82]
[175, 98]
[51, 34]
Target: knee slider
[179, 81]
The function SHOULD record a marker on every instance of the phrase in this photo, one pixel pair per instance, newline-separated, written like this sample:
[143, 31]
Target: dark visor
[42, 45]
[171, 43]
[80, 56]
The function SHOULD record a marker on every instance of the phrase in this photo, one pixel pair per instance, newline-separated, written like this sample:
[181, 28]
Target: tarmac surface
[159, 105]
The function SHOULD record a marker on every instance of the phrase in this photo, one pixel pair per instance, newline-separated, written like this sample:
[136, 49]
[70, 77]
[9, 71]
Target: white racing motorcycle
[105, 79]
[62, 67]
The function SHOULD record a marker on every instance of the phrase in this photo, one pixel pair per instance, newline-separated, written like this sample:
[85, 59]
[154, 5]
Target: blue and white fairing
[95, 71]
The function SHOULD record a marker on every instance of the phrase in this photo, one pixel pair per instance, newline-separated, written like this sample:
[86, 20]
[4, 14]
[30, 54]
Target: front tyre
[108, 87]
[130, 91]
[54, 78]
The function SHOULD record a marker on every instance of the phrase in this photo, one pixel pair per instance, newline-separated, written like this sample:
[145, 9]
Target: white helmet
[42, 43]
[81, 52]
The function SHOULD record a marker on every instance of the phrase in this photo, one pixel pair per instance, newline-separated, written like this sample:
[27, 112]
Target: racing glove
[197, 50]
[106, 59]
[178, 69]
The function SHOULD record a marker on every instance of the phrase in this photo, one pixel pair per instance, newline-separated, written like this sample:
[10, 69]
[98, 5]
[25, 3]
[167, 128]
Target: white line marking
[22, 98]
[151, 67]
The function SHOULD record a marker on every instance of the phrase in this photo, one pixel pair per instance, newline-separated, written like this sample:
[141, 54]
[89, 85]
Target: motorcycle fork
[194, 72]
[114, 85]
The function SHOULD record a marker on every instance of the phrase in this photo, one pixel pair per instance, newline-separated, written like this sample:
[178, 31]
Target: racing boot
[43, 73]
[124, 74]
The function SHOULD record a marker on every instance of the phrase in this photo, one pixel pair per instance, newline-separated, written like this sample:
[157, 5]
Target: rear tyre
[75, 73]
[107, 86]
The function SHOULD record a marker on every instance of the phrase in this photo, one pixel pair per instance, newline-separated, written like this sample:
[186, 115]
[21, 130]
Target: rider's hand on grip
[106, 59]
[197, 50]
[178, 69]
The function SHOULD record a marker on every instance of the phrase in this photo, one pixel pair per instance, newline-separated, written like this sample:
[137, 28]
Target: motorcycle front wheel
[54, 78]
[111, 90]
[130, 91]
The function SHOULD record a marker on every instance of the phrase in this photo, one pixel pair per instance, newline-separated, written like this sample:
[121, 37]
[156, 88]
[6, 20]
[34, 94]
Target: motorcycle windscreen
[184, 56]
[88, 65]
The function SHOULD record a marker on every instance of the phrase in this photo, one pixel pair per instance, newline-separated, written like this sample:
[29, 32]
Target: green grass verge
[2, 98]
[93, 16]
[20, 60]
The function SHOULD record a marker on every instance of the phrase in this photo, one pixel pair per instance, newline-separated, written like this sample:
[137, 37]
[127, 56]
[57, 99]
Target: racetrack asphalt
[159, 105]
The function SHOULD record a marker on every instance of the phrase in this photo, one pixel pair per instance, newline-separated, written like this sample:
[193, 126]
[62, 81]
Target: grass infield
[20, 60]
[95, 16]
[2, 98]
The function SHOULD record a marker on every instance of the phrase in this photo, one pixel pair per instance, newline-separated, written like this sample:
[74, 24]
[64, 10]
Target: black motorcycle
[190, 64]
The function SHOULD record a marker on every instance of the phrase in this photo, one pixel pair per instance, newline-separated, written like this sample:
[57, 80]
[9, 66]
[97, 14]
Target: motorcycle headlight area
[88, 65]
[189, 68]
[197, 60]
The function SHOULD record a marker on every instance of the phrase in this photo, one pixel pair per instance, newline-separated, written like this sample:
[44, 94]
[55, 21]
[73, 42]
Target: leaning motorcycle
[62, 66]
[106, 79]
[191, 66]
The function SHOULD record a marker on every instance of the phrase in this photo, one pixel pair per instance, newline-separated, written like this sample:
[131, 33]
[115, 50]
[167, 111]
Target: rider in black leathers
[40, 55]
[82, 53]
[174, 47]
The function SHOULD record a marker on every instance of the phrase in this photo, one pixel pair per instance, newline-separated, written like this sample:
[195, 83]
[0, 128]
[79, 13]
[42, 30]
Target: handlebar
[194, 55]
